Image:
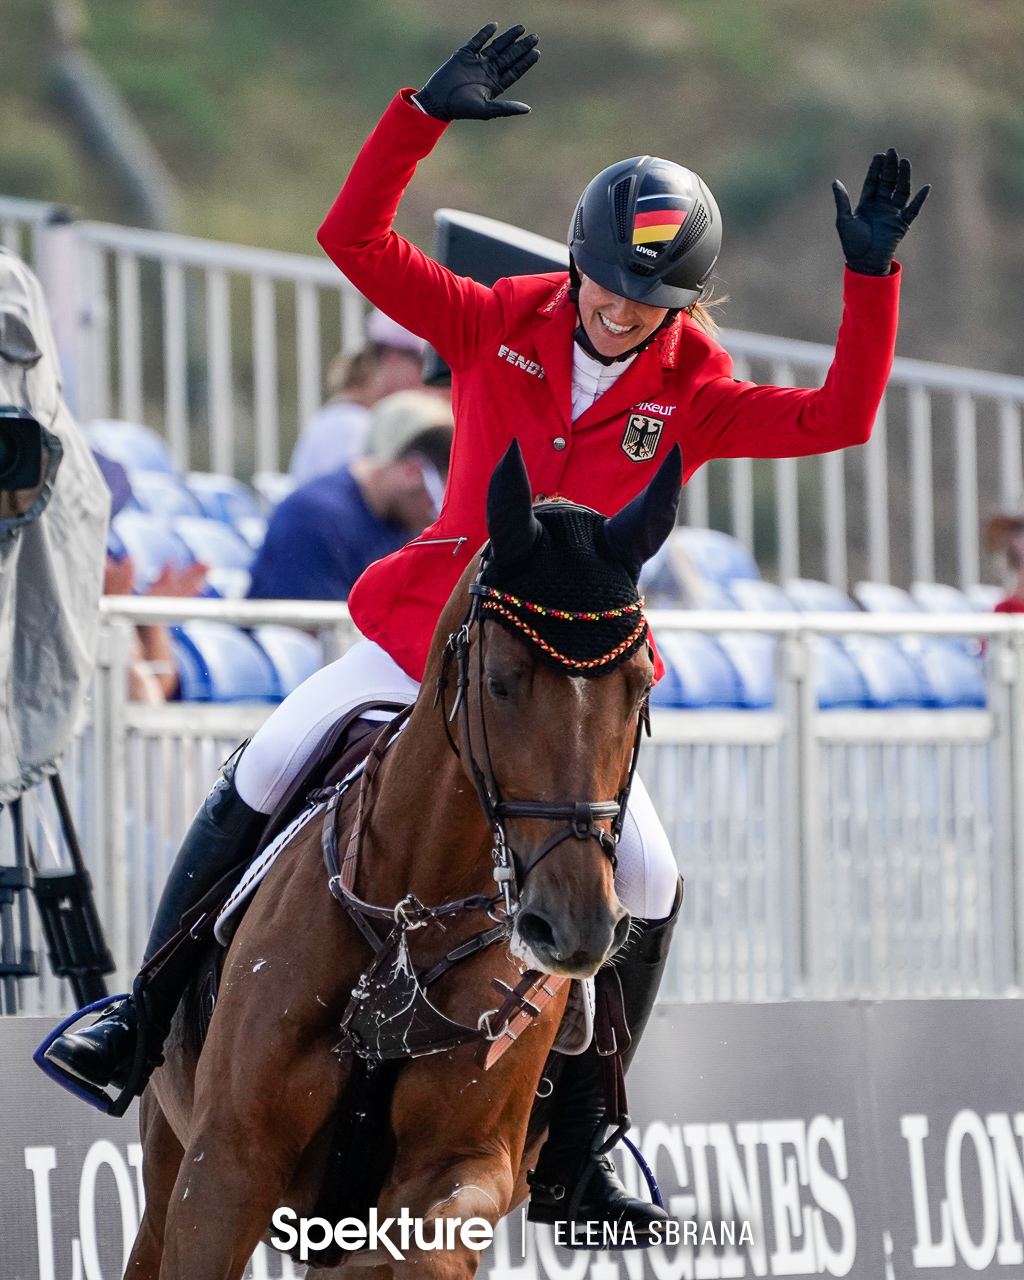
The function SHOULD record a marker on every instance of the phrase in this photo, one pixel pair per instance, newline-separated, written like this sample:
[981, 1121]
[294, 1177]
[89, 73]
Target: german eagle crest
[640, 439]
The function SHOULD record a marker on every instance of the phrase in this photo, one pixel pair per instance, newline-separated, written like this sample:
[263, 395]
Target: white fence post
[1010, 472]
[919, 413]
[697, 498]
[176, 363]
[966, 433]
[876, 493]
[833, 484]
[221, 390]
[307, 340]
[264, 360]
[129, 336]
[741, 478]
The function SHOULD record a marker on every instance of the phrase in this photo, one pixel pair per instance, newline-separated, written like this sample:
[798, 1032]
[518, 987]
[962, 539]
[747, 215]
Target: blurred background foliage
[259, 106]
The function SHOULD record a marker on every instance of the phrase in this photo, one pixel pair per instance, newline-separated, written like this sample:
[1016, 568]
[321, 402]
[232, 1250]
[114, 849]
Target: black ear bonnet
[558, 558]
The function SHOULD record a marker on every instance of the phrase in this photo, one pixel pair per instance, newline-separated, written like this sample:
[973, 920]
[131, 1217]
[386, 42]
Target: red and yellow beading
[495, 597]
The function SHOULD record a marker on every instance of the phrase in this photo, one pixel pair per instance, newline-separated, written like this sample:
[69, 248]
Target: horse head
[555, 696]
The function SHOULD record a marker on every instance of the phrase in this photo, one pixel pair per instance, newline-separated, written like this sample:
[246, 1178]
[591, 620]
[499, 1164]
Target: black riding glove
[466, 86]
[871, 233]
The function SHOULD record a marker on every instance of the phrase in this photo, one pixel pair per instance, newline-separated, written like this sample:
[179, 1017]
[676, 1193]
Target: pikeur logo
[520, 362]
[640, 439]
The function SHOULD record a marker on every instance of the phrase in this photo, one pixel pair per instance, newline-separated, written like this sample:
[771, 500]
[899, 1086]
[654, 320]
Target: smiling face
[615, 324]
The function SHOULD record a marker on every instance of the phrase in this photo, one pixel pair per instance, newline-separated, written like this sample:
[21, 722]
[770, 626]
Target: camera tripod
[67, 912]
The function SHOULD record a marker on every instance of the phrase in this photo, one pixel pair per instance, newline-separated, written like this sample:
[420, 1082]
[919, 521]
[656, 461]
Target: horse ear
[637, 531]
[511, 524]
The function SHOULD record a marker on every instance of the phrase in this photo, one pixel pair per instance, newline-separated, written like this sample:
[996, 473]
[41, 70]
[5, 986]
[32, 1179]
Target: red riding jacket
[510, 350]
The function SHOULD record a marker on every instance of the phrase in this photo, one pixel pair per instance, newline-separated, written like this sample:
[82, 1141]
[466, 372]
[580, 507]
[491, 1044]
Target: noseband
[580, 817]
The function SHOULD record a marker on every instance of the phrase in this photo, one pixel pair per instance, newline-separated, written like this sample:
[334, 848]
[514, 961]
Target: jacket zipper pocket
[427, 542]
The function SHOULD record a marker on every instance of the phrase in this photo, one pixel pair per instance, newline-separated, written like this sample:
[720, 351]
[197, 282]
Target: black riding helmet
[649, 230]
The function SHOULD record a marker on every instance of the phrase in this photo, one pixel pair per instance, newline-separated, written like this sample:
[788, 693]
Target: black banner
[863, 1140]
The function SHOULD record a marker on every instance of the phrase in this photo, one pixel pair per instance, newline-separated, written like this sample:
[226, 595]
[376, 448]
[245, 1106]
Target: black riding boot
[574, 1181]
[223, 835]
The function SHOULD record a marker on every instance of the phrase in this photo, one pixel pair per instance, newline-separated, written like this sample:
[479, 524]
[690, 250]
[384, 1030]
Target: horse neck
[426, 833]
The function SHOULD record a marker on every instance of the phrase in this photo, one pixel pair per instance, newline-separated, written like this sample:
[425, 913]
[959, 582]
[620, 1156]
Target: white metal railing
[829, 854]
[22, 226]
[222, 348]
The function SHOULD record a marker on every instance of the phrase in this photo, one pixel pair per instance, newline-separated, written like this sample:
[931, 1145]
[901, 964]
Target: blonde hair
[700, 311]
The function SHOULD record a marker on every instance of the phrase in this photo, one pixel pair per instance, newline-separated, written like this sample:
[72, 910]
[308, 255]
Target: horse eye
[496, 688]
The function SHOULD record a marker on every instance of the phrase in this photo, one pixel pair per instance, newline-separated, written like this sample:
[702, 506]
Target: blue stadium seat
[984, 597]
[213, 543]
[129, 443]
[698, 673]
[937, 597]
[223, 497]
[151, 543]
[755, 596]
[716, 555]
[839, 683]
[810, 596]
[881, 597]
[273, 487]
[253, 529]
[218, 663]
[892, 678]
[954, 676]
[670, 580]
[753, 658]
[295, 655]
[227, 584]
[162, 493]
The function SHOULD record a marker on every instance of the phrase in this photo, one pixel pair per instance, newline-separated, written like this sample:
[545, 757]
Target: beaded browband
[498, 601]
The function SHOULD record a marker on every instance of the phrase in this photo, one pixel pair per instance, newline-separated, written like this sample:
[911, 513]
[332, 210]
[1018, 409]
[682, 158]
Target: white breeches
[646, 875]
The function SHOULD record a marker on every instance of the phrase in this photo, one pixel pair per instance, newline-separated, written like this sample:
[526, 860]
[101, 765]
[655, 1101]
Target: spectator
[1005, 533]
[323, 535]
[152, 675]
[391, 361]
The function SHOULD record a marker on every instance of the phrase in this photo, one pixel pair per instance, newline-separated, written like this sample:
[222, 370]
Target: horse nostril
[621, 932]
[535, 931]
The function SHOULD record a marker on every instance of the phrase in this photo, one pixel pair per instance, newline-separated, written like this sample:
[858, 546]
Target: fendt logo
[991, 1147]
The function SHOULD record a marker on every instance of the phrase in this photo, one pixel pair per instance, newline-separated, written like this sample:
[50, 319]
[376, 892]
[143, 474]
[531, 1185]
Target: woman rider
[598, 373]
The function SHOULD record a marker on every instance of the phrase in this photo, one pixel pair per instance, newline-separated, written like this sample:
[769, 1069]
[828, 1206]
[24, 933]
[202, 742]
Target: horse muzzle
[557, 940]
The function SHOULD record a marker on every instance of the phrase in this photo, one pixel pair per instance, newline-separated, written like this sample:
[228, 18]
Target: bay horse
[242, 1124]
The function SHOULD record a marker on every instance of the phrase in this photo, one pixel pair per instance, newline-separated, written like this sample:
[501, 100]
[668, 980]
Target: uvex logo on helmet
[649, 230]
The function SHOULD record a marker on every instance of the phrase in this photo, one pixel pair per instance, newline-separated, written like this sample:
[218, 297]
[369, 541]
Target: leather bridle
[580, 817]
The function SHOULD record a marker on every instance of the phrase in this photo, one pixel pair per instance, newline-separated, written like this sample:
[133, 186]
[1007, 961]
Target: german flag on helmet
[660, 209]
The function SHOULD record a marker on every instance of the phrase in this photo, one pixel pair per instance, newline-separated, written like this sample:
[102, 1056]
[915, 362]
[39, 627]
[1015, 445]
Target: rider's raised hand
[871, 233]
[466, 86]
